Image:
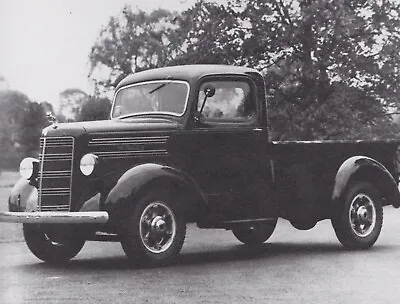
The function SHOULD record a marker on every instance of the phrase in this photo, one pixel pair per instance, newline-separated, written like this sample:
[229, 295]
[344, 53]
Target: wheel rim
[362, 215]
[157, 227]
[51, 241]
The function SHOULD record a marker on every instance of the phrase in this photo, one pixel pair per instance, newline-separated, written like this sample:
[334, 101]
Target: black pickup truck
[191, 144]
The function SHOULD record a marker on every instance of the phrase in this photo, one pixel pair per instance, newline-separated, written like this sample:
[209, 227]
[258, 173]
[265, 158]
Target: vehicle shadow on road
[270, 252]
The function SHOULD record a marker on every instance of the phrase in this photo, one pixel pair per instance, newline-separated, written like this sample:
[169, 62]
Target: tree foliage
[71, 101]
[331, 66]
[94, 108]
[314, 52]
[132, 42]
[21, 123]
[209, 33]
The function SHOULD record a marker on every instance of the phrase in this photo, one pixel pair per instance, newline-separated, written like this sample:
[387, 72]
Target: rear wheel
[154, 233]
[49, 245]
[254, 234]
[360, 220]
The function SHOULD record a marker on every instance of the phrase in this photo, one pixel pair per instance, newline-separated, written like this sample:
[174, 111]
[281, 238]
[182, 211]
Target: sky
[45, 44]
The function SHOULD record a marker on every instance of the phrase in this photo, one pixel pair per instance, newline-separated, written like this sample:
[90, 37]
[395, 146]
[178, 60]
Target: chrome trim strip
[54, 217]
[125, 154]
[128, 141]
[113, 143]
[134, 146]
[130, 138]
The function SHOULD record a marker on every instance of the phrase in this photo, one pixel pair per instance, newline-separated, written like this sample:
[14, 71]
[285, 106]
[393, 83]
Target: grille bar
[129, 147]
[55, 176]
[123, 154]
[55, 208]
[128, 140]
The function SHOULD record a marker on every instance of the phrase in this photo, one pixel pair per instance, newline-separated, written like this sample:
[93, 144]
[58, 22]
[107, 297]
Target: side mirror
[209, 91]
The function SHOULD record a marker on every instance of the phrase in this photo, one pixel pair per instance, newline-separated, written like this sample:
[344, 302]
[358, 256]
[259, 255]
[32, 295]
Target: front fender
[23, 197]
[366, 169]
[141, 177]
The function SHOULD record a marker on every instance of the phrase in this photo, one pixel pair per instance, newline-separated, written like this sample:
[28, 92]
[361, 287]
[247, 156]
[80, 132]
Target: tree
[34, 121]
[209, 33]
[71, 101]
[12, 111]
[94, 109]
[3, 83]
[309, 50]
[331, 66]
[21, 123]
[132, 42]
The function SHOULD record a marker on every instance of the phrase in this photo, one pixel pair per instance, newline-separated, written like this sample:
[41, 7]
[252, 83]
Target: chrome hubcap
[157, 227]
[362, 215]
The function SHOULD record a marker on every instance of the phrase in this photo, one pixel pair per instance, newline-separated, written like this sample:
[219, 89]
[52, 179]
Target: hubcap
[362, 215]
[157, 227]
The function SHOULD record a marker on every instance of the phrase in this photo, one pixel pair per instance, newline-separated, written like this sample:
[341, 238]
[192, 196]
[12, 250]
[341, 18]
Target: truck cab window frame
[234, 102]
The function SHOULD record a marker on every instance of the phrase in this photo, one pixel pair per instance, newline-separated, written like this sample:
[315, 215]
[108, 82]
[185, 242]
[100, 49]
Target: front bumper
[54, 217]
[23, 202]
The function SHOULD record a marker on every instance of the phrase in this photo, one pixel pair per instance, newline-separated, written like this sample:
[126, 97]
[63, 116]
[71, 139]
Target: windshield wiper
[159, 86]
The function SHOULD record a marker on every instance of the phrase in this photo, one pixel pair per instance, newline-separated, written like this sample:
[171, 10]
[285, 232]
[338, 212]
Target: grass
[8, 178]
[9, 232]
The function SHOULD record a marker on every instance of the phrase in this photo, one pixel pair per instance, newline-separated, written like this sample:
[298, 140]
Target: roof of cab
[184, 72]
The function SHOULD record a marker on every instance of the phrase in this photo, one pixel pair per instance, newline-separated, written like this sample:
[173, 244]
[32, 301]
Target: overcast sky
[44, 44]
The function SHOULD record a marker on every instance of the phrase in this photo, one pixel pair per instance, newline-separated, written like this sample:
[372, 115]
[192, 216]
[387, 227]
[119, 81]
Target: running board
[229, 224]
[104, 237]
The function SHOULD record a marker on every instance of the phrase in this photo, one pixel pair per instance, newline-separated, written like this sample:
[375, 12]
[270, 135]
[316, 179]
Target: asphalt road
[292, 267]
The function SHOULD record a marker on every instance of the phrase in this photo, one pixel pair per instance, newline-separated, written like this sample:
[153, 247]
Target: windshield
[156, 97]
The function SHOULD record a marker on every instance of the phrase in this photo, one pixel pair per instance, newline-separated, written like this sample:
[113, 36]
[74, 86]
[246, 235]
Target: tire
[359, 222]
[48, 248]
[306, 225]
[154, 233]
[255, 234]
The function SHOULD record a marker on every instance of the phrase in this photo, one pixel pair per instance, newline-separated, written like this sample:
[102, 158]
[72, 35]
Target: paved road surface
[293, 267]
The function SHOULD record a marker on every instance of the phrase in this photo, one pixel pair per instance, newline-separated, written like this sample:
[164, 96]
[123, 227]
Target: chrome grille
[55, 176]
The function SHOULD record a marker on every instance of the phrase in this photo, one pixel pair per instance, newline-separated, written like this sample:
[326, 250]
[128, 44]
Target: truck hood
[77, 129]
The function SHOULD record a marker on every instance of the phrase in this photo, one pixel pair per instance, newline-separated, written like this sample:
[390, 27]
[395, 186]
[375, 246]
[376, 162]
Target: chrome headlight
[88, 163]
[29, 168]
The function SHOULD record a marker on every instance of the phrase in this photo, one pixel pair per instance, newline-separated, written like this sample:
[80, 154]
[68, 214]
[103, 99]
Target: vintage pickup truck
[191, 144]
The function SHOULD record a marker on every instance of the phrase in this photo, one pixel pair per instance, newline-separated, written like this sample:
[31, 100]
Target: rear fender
[362, 168]
[139, 179]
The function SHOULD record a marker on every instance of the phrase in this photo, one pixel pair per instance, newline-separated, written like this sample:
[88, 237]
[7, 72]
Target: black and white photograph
[199, 151]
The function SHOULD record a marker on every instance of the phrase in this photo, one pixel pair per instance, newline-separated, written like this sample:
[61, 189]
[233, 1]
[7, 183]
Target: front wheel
[49, 244]
[153, 234]
[254, 234]
[359, 222]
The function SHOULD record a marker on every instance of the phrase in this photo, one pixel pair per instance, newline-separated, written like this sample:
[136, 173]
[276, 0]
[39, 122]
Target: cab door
[227, 152]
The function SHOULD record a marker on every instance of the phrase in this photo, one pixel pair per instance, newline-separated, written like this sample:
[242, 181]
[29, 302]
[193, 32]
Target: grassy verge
[9, 232]
[8, 178]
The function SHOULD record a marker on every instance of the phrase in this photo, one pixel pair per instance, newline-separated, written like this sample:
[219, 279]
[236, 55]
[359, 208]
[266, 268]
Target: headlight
[29, 168]
[88, 163]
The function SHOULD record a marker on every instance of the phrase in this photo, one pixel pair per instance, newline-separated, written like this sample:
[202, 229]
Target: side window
[232, 101]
